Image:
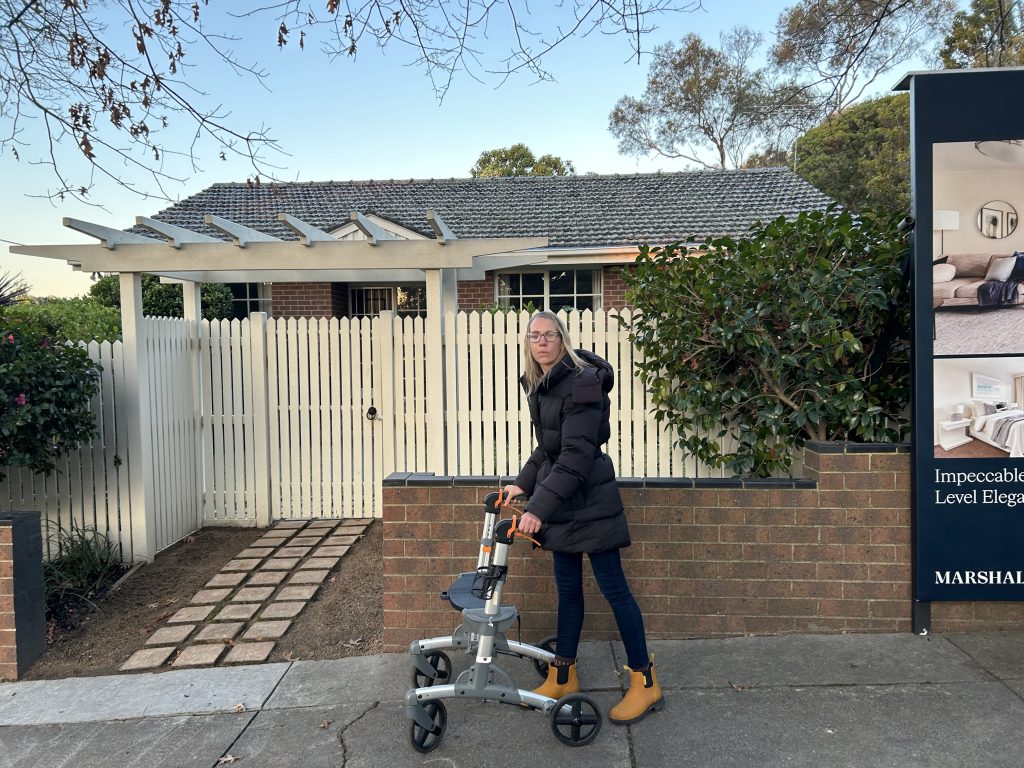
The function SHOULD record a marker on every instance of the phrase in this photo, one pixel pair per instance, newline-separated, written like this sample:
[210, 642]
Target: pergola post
[435, 372]
[193, 313]
[449, 290]
[135, 396]
[193, 303]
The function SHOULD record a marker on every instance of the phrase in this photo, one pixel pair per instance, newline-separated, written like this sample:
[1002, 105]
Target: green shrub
[86, 563]
[165, 299]
[798, 331]
[45, 389]
[79, 319]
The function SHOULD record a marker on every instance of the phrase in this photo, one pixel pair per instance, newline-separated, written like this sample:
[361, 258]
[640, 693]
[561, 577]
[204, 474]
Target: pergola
[176, 254]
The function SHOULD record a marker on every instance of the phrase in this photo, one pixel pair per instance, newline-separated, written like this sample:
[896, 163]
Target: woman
[575, 507]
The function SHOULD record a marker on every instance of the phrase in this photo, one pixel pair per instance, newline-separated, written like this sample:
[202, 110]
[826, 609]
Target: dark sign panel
[967, 166]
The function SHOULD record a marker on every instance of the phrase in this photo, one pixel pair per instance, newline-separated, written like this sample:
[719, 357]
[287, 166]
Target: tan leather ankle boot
[642, 698]
[561, 682]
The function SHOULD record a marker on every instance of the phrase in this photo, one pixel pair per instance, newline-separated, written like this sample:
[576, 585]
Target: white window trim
[598, 281]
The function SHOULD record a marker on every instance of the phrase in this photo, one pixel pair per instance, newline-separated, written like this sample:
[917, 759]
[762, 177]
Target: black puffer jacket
[570, 481]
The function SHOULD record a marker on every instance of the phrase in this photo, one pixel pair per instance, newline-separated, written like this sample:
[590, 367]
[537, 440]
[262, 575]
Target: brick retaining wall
[22, 595]
[8, 647]
[830, 553]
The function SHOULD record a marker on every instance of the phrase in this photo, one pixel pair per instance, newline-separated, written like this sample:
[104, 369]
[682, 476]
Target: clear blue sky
[377, 118]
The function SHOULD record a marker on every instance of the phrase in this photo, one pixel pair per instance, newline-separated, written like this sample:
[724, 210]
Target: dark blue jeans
[612, 582]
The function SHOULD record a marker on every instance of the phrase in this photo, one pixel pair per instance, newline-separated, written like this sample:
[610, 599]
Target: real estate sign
[967, 166]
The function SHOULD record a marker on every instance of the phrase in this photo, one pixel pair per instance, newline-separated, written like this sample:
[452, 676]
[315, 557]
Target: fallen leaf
[333, 579]
[228, 759]
[326, 724]
[736, 687]
[239, 707]
[192, 540]
[289, 656]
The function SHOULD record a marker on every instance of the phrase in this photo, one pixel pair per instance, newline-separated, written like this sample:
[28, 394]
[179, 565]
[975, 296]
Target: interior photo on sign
[978, 248]
[979, 407]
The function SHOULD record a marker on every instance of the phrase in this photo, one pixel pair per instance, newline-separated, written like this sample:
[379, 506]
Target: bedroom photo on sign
[978, 248]
[978, 408]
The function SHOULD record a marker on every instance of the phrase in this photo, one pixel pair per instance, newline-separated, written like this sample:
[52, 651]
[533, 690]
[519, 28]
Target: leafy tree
[776, 338]
[78, 319]
[518, 160]
[990, 34]
[99, 91]
[45, 389]
[861, 156]
[700, 98]
[165, 300]
[838, 48]
[773, 157]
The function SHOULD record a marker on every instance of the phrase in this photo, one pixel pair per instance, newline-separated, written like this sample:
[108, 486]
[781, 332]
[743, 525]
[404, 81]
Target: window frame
[392, 303]
[597, 293]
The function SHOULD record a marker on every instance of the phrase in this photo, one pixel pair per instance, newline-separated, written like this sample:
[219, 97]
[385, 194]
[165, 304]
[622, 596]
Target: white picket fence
[263, 419]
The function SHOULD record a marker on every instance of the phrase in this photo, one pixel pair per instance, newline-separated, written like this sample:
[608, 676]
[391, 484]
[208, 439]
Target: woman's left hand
[529, 523]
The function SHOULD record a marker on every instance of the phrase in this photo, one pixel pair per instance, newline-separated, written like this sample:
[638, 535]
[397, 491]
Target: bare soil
[345, 619]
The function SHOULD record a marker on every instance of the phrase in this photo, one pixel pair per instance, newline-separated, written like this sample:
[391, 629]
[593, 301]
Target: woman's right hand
[509, 492]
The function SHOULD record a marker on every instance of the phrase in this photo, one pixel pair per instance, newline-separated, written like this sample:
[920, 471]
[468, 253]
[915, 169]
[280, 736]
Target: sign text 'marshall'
[979, 577]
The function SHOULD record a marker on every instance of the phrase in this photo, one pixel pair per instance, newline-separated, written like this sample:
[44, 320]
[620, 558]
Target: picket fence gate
[263, 419]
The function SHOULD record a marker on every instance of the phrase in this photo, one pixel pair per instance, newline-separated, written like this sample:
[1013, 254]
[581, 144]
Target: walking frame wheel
[547, 644]
[440, 663]
[575, 720]
[424, 740]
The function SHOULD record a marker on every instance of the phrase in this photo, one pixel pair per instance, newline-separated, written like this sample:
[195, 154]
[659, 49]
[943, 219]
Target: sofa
[957, 277]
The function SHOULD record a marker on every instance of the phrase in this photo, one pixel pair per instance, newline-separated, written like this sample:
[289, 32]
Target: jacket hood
[605, 372]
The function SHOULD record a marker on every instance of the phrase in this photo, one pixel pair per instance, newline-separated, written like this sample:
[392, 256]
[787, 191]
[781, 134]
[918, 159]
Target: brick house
[594, 225]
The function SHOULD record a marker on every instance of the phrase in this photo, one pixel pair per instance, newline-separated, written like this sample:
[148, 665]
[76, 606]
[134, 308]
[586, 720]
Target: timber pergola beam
[254, 256]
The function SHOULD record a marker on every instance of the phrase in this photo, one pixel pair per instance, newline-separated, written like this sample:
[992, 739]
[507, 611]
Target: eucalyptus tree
[709, 106]
[989, 34]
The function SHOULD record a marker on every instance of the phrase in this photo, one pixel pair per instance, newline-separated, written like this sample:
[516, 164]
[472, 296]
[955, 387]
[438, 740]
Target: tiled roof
[572, 211]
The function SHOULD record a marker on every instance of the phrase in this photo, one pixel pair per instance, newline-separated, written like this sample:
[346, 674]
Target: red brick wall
[613, 288]
[827, 554]
[473, 293]
[8, 648]
[302, 300]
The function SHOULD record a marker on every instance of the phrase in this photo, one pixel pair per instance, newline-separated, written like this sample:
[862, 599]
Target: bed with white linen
[1003, 429]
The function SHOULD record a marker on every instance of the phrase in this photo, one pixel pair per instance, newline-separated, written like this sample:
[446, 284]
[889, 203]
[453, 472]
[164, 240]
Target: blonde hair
[532, 371]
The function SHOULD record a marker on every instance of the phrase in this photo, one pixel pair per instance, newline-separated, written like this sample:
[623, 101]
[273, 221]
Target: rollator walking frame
[575, 719]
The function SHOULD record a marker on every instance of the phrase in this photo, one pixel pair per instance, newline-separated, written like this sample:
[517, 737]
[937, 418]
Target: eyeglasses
[549, 335]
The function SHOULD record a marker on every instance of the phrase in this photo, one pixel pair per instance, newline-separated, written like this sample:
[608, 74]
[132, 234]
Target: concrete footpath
[802, 700]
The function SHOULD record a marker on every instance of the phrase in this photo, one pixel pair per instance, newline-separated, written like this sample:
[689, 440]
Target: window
[249, 297]
[405, 300]
[554, 290]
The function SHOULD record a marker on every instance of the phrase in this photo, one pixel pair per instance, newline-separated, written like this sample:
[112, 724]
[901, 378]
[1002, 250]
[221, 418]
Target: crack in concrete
[341, 733]
[983, 668]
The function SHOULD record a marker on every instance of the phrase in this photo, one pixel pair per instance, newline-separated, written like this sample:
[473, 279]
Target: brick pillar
[22, 597]
[8, 647]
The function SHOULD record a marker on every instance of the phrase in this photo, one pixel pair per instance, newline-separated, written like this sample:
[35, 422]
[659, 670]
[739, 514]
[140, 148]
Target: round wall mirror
[997, 219]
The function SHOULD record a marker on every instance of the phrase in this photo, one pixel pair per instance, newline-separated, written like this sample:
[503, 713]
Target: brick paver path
[251, 602]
